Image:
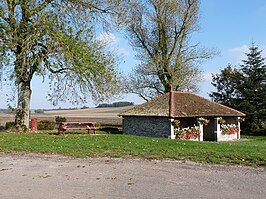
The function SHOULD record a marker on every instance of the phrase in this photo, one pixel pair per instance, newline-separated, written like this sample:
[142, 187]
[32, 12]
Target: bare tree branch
[160, 31]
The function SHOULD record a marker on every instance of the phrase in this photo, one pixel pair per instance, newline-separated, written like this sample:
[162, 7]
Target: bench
[64, 126]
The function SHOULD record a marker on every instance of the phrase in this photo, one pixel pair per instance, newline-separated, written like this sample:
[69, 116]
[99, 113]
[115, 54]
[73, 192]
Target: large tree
[55, 39]
[160, 31]
[253, 89]
[245, 89]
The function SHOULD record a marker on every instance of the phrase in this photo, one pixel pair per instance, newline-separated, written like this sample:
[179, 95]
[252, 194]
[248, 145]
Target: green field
[248, 151]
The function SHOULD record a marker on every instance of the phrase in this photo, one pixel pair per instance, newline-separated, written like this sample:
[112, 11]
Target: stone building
[158, 118]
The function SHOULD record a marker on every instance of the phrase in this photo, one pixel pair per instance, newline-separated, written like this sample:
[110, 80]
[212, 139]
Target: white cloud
[239, 53]
[242, 49]
[108, 39]
[123, 52]
[264, 50]
[207, 76]
[113, 43]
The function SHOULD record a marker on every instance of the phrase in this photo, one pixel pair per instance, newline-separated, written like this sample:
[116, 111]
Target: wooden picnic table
[64, 126]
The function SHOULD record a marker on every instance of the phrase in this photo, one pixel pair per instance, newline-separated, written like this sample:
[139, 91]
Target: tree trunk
[23, 106]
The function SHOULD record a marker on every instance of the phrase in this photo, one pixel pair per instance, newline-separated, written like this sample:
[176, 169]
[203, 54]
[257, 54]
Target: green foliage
[245, 90]
[226, 83]
[59, 119]
[56, 39]
[246, 152]
[253, 90]
[10, 125]
[176, 123]
[46, 125]
[202, 120]
[98, 124]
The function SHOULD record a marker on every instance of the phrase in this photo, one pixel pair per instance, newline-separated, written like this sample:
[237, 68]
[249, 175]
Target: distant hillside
[7, 111]
[108, 112]
[104, 116]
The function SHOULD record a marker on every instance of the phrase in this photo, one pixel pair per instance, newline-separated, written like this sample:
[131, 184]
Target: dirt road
[30, 176]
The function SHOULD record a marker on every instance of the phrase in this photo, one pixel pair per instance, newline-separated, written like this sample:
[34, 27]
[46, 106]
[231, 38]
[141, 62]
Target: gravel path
[31, 176]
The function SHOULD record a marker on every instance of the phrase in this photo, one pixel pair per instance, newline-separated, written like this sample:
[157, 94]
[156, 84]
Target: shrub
[260, 132]
[10, 125]
[111, 130]
[46, 125]
[98, 125]
[59, 119]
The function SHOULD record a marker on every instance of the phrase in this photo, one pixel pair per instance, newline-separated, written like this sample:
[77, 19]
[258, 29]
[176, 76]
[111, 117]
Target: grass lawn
[250, 151]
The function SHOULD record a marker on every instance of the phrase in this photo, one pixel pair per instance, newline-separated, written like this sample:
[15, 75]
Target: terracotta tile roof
[183, 104]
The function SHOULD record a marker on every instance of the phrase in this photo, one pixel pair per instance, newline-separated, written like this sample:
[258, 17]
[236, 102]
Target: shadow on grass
[100, 131]
[111, 130]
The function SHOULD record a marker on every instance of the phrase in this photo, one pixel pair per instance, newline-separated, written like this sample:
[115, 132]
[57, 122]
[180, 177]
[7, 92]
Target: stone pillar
[172, 136]
[201, 132]
[238, 124]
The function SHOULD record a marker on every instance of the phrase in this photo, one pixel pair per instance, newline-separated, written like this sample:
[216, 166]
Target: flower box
[229, 129]
[189, 133]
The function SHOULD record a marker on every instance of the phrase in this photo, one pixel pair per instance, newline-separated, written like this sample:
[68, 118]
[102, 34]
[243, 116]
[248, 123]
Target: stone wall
[147, 126]
[161, 127]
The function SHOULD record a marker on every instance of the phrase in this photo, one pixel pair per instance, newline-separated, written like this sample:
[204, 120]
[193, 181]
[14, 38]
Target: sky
[229, 26]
